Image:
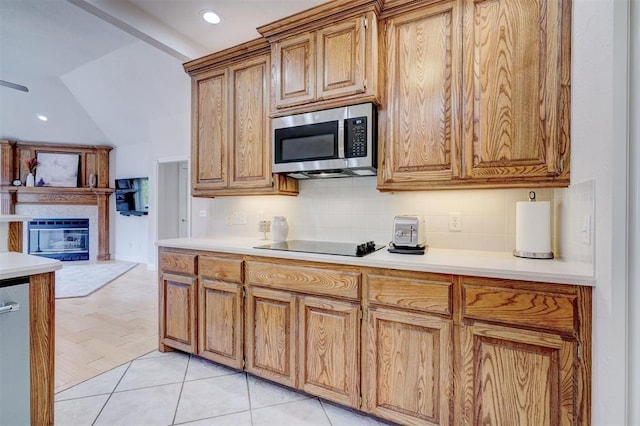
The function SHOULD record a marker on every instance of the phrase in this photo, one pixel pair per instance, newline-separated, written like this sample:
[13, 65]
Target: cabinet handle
[9, 308]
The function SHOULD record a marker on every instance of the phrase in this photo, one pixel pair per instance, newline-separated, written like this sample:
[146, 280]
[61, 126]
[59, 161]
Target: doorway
[174, 209]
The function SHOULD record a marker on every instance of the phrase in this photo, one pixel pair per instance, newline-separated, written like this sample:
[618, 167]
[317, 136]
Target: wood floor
[113, 325]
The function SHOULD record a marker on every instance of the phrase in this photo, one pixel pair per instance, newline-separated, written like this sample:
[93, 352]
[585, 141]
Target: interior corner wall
[131, 240]
[633, 331]
[597, 141]
[171, 140]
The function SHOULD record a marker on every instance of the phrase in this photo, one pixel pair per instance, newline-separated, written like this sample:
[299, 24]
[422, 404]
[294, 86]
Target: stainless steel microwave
[337, 142]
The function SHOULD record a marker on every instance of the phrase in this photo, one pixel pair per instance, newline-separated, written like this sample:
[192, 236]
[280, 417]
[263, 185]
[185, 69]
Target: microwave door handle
[341, 139]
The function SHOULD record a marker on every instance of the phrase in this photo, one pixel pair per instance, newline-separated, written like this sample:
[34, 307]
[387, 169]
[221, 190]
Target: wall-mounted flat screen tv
[132, 196]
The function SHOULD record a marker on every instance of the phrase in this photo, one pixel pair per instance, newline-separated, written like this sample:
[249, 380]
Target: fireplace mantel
[95, 191]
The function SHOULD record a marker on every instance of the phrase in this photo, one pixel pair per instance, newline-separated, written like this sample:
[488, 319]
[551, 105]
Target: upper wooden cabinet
[319, 64]
[231, 131]
[517, 65]
[421, 119]
[477, 95]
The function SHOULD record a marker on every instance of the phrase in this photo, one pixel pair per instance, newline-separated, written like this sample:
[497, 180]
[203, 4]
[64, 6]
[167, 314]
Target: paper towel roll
[533, 229]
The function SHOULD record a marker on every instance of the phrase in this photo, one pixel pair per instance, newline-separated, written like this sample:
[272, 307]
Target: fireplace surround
[92, 188]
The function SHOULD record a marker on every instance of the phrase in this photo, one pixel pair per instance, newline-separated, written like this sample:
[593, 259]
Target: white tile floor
[175, 388]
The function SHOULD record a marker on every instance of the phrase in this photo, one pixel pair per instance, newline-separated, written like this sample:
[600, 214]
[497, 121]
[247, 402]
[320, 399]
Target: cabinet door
[178, 312]
[209, 130]
[514, 74]
[515, 377]
[409, 367]
[220, 322]
[271, 335]
[421, 134]
[341, 59]
[329, 350]
[250, 157]
[294, 62]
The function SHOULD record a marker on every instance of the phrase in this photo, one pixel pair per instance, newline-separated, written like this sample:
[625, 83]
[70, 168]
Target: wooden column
[42, 346]
[15, 236]
[102, 200]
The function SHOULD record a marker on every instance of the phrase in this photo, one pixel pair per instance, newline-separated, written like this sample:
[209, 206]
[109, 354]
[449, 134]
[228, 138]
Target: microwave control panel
[355, 139]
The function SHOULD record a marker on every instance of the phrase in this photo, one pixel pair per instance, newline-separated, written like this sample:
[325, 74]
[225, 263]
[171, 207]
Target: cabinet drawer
[411, 293]
[304, 279]
[525, 307]
[220, 268]
[181, 263]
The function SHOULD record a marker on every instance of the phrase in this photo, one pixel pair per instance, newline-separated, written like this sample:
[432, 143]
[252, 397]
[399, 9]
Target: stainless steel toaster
[408, 231]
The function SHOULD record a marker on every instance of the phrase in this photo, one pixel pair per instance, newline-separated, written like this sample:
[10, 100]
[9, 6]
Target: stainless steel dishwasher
[15, 382]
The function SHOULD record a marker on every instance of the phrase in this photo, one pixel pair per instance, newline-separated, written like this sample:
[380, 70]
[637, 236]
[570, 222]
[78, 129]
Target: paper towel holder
[528, 254]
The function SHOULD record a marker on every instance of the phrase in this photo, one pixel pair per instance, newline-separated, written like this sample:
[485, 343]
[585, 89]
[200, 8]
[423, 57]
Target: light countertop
[13, 265]
[459, 262]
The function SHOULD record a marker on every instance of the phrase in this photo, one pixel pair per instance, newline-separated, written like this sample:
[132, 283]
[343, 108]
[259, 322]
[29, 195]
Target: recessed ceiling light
[211, 17]
[42, 117]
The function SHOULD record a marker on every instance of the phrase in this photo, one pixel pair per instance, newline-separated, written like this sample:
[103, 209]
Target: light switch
[585, 230]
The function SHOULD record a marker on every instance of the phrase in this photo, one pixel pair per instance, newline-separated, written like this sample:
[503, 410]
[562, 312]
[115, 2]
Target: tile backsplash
[352, 209]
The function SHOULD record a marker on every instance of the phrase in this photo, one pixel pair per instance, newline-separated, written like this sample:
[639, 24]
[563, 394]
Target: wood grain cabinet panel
[521, 306]
[331, 282]
[341, 59]
[220, 268]
[180, 263]
[271, 335]
[250, 153]
[329, 349]
[517, 377]
[220, 322]
[209, 130]
[409, 367]
[516, 89]
[178, 312]
[431, 295]
[294, 62]
[421, 134]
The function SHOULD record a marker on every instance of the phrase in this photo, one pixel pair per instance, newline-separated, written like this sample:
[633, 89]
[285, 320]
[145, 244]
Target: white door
[173, 200]
[183, 199]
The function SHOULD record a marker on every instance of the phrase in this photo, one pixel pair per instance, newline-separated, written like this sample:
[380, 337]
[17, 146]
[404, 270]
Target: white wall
[130, 234]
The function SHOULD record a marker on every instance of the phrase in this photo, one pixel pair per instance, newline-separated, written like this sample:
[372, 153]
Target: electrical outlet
[455, 222]
[203, 213]
[238, 218]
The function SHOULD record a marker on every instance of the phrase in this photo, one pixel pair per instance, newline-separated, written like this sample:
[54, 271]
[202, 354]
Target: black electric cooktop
[325, 247]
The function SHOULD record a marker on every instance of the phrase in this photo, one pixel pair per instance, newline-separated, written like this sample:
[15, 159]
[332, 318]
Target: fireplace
[62, 239]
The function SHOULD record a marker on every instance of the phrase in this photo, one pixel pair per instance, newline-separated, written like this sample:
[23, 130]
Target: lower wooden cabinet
[271, 335]
[409, 367]
[220, 322]
[178, 312]
[305, 342]
[431, 349]
[329, 343]
[518, 377]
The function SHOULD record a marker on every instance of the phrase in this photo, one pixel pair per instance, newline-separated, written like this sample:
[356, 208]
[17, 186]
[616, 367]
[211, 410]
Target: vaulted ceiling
[101, 70]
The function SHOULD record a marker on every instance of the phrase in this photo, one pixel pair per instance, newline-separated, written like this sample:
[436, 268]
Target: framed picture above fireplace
[55, 169]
